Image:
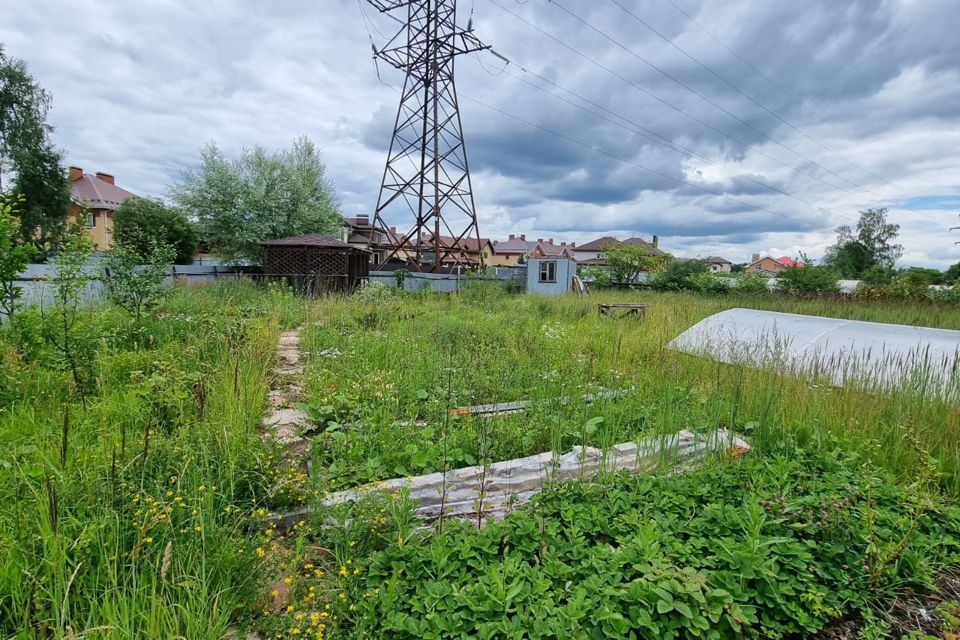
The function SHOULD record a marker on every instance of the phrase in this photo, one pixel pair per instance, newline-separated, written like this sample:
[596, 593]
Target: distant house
[551, 269]
[510, 252]
[718, 264]
[467, 252]
[592, 253]
[768, 266]
[359, 232]
[93, 199]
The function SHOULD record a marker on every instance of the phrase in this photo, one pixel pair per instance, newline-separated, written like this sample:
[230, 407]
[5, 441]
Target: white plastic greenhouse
[841, 351]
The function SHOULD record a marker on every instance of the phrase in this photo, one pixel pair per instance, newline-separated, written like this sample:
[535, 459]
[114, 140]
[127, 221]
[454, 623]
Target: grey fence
[450, 282]
[36, 282]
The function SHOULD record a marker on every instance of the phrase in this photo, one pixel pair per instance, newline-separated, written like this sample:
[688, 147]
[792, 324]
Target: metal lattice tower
[427, 168]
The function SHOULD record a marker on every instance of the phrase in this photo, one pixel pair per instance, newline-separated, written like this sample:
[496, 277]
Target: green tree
[259, 196]
[925, 275]
[135, 276]
[45, 188]
[952, 274]
[14, 258]
[27, 153]
[626, 262]
[142, 224]
[873, 243]
[23, 110]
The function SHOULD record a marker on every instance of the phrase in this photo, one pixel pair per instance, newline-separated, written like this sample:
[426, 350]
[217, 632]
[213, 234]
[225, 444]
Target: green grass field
[139, 512]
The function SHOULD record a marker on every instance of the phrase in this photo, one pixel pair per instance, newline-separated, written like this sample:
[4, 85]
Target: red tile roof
[90, 191]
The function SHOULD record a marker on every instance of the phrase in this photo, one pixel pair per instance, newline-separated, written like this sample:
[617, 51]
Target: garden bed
[142, 508]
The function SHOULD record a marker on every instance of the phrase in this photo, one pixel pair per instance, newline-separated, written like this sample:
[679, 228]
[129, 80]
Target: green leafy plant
[14, 257]
[135, 277]
[65, 328]
[808, 279]
[752, 284]
[141, 224]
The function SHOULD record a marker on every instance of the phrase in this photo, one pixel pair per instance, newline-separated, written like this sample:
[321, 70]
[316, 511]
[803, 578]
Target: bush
[598, 277]
[677, 275]
[909, 285]
[752, 284]
[868, 291]
[950, 296]
[809, 279]
[708, 283]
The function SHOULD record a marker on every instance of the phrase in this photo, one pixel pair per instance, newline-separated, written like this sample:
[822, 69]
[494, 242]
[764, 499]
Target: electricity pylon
[426, 167]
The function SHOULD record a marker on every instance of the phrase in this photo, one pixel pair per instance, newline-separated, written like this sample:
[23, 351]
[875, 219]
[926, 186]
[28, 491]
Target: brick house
[767, 266]
[93, 199]
[508, 253]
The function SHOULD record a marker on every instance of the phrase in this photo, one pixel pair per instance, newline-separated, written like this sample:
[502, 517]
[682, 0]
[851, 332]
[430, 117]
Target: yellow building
[93, 199]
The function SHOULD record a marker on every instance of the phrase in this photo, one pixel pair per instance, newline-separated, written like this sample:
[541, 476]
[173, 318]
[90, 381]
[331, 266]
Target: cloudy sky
[724, 126]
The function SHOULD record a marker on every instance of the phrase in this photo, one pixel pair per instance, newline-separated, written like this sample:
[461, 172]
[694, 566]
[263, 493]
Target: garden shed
[315, 263]
[550, 270]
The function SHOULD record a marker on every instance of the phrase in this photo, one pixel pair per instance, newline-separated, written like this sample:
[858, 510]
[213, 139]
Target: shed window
[91, 221]
[548, 271]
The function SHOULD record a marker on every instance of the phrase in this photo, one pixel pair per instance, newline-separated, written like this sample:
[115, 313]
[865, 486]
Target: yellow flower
[343, 570]
[261, 552]
[356, 571]
[148, 540]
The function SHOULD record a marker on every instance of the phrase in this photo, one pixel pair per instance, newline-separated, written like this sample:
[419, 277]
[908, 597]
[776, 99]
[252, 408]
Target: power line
[651, 135]
[745, 95]
[634, 163]
[663, 101]
[700, 95]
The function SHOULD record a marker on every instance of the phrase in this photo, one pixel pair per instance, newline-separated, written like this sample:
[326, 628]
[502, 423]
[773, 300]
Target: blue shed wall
[566, 269]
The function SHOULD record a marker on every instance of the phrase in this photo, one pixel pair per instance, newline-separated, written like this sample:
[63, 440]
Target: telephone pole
[427, 175]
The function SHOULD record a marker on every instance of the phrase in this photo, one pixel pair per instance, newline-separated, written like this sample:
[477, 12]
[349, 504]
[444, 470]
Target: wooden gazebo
[315, 263]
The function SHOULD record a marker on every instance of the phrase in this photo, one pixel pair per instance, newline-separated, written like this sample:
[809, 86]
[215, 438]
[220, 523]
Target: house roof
[765, 258]
[716, 260]
[598, 244]
[601, 243]
[547, 250]
[449, 242]
[790, 262]
[307, 240]
[640, 242]
[514, 246]
[90, 191]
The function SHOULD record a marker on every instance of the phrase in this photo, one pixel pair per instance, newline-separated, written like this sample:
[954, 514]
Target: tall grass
[141, 519]
[381, 364]
[142, 533]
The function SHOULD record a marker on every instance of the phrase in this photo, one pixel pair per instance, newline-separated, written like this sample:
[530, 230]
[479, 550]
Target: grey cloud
[139, 87]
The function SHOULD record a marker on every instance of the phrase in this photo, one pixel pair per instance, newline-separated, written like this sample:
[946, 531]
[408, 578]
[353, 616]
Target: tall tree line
[31, 167]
